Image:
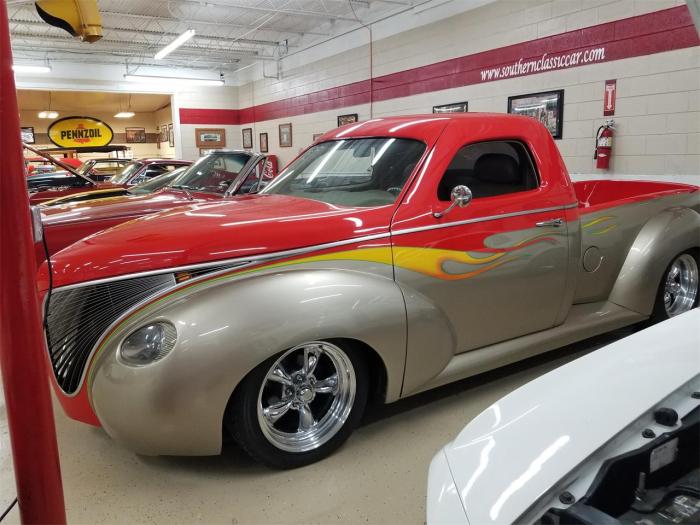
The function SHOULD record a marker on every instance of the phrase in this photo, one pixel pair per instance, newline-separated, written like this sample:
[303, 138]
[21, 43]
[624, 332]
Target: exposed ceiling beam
[194, 23]
[262, 9]
[191, 52]
[33, 23]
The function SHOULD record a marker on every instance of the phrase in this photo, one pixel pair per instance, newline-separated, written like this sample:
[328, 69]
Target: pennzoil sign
[80, 132]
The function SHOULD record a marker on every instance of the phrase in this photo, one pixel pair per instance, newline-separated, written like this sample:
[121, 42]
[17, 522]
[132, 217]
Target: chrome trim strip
[482, 219]
[242, 260]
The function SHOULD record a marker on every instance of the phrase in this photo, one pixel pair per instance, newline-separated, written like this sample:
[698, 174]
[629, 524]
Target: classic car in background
[391, 257]
[617, 443]
[103, 169]
[96, 170]
[151, 185]
[135, 172]
[218, 176]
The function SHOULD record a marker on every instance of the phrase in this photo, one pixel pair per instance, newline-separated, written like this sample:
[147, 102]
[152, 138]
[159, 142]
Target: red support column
[22, 360]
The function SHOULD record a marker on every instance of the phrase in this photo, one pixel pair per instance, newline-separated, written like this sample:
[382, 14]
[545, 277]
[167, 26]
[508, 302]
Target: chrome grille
[77, 318]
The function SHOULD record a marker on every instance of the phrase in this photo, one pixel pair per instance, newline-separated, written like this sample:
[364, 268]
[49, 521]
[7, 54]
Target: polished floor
[378, 476]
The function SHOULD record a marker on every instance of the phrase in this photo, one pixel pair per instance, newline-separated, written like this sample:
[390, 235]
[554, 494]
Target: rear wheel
[678, 291]
[299, 406]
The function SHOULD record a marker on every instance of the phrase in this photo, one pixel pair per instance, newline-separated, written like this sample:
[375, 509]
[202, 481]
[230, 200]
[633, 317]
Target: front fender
[664, 236]
[176, 405]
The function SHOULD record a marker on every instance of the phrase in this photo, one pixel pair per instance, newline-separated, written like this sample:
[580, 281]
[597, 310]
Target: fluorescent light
[48, 114]
[153, 79]
[25, 68]
[125, 114]
[172, 46]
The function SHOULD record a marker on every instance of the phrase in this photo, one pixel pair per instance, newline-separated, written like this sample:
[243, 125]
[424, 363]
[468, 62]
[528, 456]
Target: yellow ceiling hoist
[81, 18]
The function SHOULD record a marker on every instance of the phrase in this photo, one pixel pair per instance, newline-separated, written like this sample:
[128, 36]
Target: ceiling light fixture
[172, 81]
[26, 68]
[125, 114]
[172, 46]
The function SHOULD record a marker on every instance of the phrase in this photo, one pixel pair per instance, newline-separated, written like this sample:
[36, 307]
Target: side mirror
[460, 196]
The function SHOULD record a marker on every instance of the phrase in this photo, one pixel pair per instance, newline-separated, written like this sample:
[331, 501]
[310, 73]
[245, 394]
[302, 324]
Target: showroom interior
[350, 261]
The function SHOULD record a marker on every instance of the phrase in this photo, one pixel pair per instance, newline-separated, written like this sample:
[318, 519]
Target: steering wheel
[394, 190]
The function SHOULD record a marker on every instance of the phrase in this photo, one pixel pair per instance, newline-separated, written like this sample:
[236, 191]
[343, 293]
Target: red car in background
[215, 177]
[135, 172]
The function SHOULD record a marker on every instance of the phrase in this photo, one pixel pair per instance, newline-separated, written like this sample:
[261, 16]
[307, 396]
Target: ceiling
[89, 101]
[230, 34]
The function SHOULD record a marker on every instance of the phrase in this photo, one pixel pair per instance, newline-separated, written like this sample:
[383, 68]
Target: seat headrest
[497, 168]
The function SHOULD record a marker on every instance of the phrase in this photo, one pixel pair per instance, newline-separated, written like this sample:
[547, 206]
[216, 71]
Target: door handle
[556, 223]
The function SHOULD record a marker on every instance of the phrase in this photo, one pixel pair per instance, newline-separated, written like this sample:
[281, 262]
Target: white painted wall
[658, 96]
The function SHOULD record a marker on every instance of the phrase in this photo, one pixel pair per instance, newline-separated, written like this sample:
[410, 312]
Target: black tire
[659, 312]
[241, 417]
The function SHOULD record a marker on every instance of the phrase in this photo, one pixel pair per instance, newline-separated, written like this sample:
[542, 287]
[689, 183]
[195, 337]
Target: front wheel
[678, 291]
[297, 407]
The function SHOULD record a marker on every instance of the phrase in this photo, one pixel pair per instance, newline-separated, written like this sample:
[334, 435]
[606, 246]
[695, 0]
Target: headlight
[148, 344]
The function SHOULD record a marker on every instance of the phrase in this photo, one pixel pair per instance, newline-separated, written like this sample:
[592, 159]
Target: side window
[489, 169]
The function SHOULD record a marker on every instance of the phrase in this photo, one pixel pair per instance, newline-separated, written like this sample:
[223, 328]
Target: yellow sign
[80, 132]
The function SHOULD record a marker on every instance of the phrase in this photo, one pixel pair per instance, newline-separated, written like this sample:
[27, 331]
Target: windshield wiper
[186, 189]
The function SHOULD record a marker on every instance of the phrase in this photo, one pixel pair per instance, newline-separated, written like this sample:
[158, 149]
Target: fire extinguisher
[603, 145]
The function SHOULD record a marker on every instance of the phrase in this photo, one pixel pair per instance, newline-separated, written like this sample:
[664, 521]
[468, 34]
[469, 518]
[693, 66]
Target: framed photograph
[317, 136]
[210, 137]
[27, 135]
[135, 135]
[171, 136]
[456, 107]
[263, 143]
[247, 138]
[163, 133]
[547, 107]
[347, 119]
[285, 135]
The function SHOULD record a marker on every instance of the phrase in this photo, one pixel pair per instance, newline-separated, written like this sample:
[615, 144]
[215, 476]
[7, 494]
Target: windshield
[85, 167]
[213, 173]
[156, 183]
[124, 175]
[352, 172]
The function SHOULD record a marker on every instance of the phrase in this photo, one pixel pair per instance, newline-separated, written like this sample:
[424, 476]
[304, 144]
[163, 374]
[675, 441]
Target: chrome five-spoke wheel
[297, 407]
[306, 396]
[681, 285]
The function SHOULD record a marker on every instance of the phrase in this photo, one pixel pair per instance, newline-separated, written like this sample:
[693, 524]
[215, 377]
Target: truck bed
[599, 194]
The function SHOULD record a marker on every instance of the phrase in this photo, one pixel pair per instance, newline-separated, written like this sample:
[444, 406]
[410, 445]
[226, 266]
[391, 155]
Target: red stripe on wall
[209, 116]
[641, 35]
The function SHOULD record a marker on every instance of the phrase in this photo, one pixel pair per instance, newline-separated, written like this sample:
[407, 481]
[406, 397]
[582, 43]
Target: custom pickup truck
[390, 257]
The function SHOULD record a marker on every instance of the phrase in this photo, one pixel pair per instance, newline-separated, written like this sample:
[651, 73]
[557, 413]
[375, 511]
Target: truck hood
[521, 446]
[61, 191]
[208, 232]
[118, 207]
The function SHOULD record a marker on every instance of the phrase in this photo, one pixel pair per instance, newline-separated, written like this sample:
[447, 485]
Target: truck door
[495, 269]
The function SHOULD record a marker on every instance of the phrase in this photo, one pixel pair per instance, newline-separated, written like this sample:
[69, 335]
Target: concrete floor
[378, 476]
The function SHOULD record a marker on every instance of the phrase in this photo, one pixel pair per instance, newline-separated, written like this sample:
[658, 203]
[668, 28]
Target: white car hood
[519, 447]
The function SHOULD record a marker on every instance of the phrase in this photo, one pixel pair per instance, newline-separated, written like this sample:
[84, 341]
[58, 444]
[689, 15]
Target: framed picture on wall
[135, 135]
[27, 134]
[285, 135]
[163, 133]
[347, 119]
[247, 138]
[456, 107]
[317, 136]
[171, 136]
[547, 107]
[263, 143]
[210, 137]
